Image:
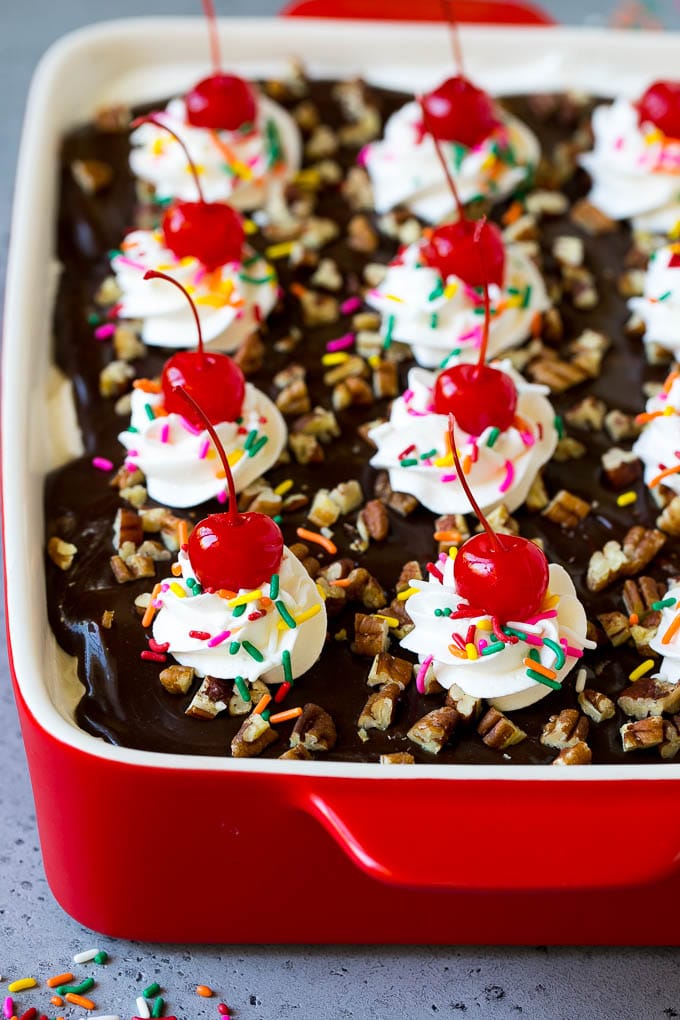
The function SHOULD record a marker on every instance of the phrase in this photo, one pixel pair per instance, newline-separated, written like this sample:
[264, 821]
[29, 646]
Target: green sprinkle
[511, 290]
[274, 154]
[149, 412]
[246, 127]
[277, 518]
[285, 615]
[390, 329]
[437, 291]
[287, 668]
[158, 1007]
[239, 610]
[426, 456]
[251, 258]
[265, 715]
[257, 280]
[439, 612]
[84, 986]
[554, 684]
[101, 957]
[274, 586]
[253, 652]
[151, 990]
[527, 297]
[434, 320]
[234, 647]
[458, 152]
[493, 436]
[408, 462]
[228, 169]
[559, 426]
[560, 657]
[239, 421]
[496, 646]
[516, 633]
[114, 253]
[93, 319]
[664, 297]
[242, 688]
[164, 202]
[132, 428]
[256, 447]
[192, 582]
[664, 604]
[454, 354]
[250, 439]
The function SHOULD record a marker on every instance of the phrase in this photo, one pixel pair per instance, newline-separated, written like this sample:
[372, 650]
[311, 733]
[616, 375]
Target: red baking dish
[162, 847]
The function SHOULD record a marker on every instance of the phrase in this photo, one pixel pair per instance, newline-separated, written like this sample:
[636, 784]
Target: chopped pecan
[324, 510]
[499, 732]
[622, 467]
[595, 705]
[620, 425]
[211, 698]
[501, 521]
[113, 119]
[372, 594]
[91, 175]
[434, 729]
[576, 754]
[565, 730]
[566, 509]
[588, 350]
[314, 729]
[587, 414]
[397, 758]
[669, 520]
[240, 706]
[385, 379]
[642, 734]
[409, 572]
[297, 753]
[537, 497]
[387, 668]
[377, 520]
[124, 479]
[568, 448]
[640, 546]
[378, 712]
[347, 495]
[135, 495]
[556, 374]
[649, 696]
[605, 566]
[61, 553]
[294, 398]
[114, 378]
[546, 203]
[126, 344]
[250, 355]
[127, 527]
[360, 234]
[120, 570]
[267, 502]
[371, 635]
[631, 283]
[469, 708]
[140, 566]
[616, 627]
[254, 736]
[353, 367]
[356, 189]
[321, 423]
[591, 219]
[671, 738]
[306, 449]
[177, 679]
[454, 528]
[109, 292]
[568, 250]
[107, 618]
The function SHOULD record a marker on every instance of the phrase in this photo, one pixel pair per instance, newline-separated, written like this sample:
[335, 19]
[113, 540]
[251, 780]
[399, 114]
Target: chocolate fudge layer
[124, 701]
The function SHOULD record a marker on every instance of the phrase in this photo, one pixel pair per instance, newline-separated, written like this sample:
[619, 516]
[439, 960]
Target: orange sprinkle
[664, 474]
[262, 704]
[538, 667]
[314, 536]
[225, 593]
[536, 324]
[60, 979]
[265, 602]
[642, 419]
[183, 533]
[204, 991]
[512, 214]
[670, 380]
[57, 1000]
[79, 1000]
[633, 619]
[176, 570]
[670, 633]
[447, 536]
[297, 289]
[458, 652]
[342, 582]
[147, 385]
[521, 424]
[149, 614]
[292, 713]
[467, 464]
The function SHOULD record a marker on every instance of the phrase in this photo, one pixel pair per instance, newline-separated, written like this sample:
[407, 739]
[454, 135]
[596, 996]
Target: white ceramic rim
[142, 59]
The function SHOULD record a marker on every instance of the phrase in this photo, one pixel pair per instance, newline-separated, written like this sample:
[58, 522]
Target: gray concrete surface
[264, 983]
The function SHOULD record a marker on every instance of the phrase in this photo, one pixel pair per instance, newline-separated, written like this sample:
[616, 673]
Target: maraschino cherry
[457, 110]
[222, 102]
[208, 376]
[452, 248]
[211, 232]
[232, 550]
[478, 396]
[660, 104]
[505, 576]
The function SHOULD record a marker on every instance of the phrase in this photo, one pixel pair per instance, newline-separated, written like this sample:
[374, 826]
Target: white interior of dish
[137, 60]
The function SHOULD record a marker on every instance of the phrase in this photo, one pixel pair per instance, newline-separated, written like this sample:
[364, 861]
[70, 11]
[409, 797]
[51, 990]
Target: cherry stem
[152, 274]
[209, 11]
[151, 118]
[466, 488]
[442, 159]
[479, 230]
[231, 509]
[447, 9]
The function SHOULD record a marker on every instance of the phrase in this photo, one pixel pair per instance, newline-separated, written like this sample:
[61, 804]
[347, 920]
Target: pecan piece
[622, 467]
[587, 414]
[566, 509]
[324, 511]
[378, 712]
[211, 698]
[376, 520]
[591, 219]
[254, 736]
[297, 753]
[177, 679]
[306, 449]
[469, 708]
[649, 696]
[91, 175]
[499, 732]
[385, 379]
[371, 635]
[314, 729]
[671, 738]
[616, 627]
[434, 729]
[595, 705]
[294, 398]
[409, 572]
[120, 570]
[114, 379]
[669, 520]
[640, 546]
[565, 730]
[61, 553]
[576, 754]
[644, 733]
[605, 566]
[127, 527]
[387, 668]
[397, 758]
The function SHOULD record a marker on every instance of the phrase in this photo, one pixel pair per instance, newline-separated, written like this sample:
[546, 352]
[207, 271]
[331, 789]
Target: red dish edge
[486, 12]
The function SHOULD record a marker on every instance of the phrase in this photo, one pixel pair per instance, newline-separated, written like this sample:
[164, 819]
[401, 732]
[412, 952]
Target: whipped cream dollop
[659, 305]
[500, 466]
[666, 641]
[443, 320]
[635, 169]
[181, 464]
[237, 645]
[231, 300]
[658, 444]
[404, 168]
[240, 167]
[486, 666]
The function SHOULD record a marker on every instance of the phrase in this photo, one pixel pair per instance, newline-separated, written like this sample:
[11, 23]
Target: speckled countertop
[262, 983]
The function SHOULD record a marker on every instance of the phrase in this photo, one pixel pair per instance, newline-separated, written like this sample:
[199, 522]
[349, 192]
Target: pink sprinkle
[408, 395]
[577, 653]
[102, 464]
[165, 586]
[199, 275]
[547, 615]
[443, 557]
[191, 428]
[422, 673]
[203, 452]
[341, 343]
[509, 476]
[481, 644]
[362, 155]
[472, 334]
[125, 261]
[130, 466]
[165, 433]
[448, 478]
[350, 305]
[527, 438]
[219, 638]
[533, 639]
[619, 143]
[105, 331]
[8, 1007]
[222, 497]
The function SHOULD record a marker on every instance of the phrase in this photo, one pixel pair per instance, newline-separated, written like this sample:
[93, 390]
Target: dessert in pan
[233, 585]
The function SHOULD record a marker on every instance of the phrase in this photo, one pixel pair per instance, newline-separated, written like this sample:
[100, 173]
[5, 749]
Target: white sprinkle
[580, 681]
[143, 1007]
[99, 1016]
[85, 956]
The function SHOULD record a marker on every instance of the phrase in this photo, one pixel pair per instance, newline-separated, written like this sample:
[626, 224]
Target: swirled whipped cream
[635, 169]
[658, 444]
[180, 462]
[239, 167]
[237, 645]
[666, 641]
[404, 168]
[414, 448]
[659, 306]
[443, 320]
[491, 662]
[231, 301]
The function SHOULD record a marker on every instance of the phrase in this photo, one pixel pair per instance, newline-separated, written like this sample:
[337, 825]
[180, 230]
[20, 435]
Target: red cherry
[508, 580]
[660, 104]
[453, 250]
[458, 111]
[222, 102]
[210, 379]
[233, 553]
[478, 396]
[211, 232]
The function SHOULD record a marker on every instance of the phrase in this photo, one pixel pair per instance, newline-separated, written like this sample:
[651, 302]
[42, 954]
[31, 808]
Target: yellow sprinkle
[234, 457]
[243, 600]
[453, 552]
[307, 615]
[249, 227]
[394, 297]
[242, 170]
[335, 359]
[643, 668]
[212, 300]
[669, 411]
[403, 595]
[472, 652]
[446, 461]
[550, 601]
[21, 984]
[177, 590]
[484, 625]
[308, 178]
[157, 146]
[321, 592]
[626, 498]
[450, 290]
[374, 360]
[279, 251]
[198, 167]
[163, 267]
[283, 487]
[392, 621]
